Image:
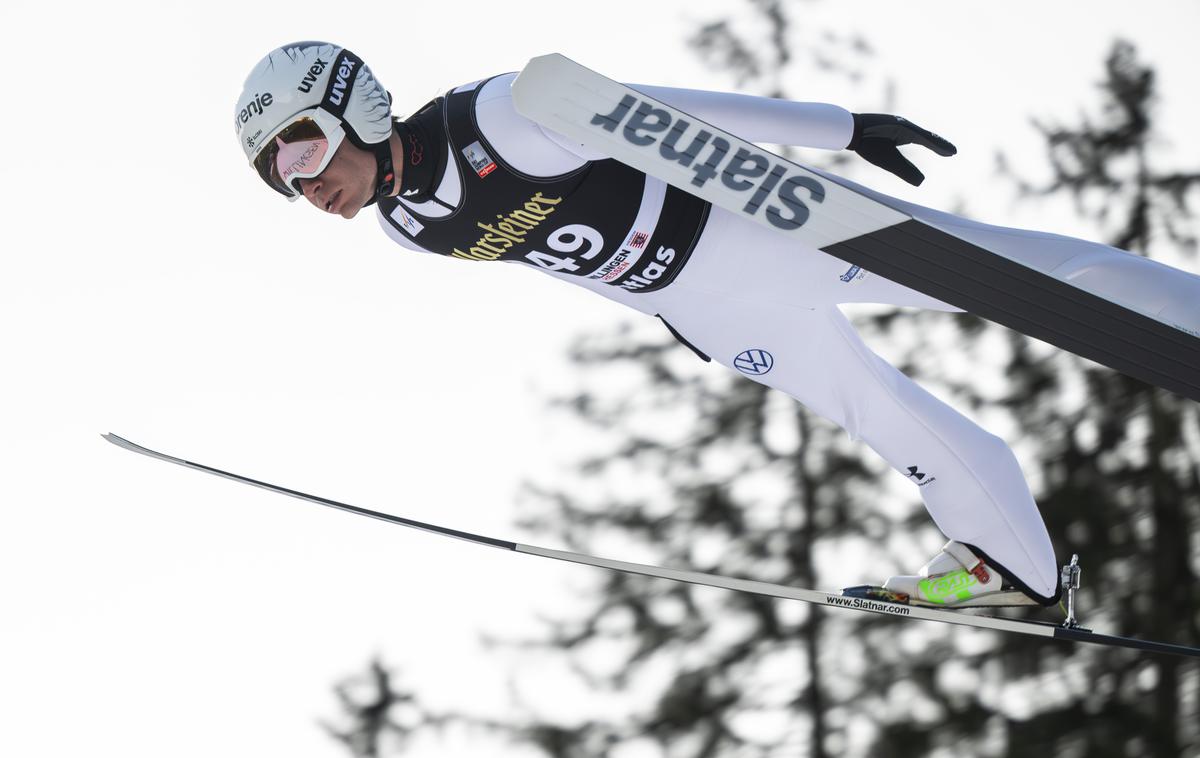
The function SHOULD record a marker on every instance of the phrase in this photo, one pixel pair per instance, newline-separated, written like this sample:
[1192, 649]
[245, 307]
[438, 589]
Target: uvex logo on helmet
[310, 78]
[341, 80]
[253, 108]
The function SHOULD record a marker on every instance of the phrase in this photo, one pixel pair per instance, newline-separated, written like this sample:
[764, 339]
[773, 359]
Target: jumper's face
[345, 185]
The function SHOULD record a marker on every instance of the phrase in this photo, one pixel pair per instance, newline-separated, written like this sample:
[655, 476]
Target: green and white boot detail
[954, 578]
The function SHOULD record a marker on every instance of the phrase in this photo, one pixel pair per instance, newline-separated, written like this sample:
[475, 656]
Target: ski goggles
[301, 149]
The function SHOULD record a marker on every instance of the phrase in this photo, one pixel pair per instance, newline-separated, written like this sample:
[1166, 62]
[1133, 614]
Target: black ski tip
[120, 441]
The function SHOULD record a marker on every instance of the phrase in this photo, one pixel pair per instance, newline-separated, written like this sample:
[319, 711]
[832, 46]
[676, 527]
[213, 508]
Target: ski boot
[954, 578]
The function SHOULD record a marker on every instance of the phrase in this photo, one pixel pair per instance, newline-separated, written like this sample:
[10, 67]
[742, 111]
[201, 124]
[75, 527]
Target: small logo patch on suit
[919, 477]
[754, 362]
[853, 274]
[406, 221]
[479, 159]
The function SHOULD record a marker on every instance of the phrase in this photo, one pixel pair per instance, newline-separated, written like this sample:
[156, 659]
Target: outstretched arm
[874, 136]
[762, 119]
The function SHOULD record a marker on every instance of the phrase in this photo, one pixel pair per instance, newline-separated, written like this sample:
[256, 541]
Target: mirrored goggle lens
[300, 151]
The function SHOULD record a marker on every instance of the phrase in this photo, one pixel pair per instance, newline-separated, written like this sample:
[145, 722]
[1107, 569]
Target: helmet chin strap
[385, 172]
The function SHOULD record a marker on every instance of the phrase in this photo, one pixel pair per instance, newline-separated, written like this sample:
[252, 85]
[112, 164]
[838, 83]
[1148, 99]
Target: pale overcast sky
[154, 288]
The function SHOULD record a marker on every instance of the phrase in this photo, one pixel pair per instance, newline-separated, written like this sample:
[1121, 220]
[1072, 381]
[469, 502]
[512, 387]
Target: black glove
[877, 135]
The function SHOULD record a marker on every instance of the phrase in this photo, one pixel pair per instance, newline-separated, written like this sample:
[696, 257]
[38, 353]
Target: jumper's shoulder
[523, 144]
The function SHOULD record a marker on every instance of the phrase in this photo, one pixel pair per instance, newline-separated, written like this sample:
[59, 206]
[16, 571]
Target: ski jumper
[483, 183]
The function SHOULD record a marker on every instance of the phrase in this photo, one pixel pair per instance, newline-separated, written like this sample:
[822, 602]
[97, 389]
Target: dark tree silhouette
[382, 715]
[1117, 465]
[1121, 460]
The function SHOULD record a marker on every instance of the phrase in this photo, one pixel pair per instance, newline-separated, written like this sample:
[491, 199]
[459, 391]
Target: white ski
[829, 599]
[820, 211]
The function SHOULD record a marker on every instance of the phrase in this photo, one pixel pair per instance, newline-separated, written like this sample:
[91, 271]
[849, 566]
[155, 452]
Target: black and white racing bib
[604, 221]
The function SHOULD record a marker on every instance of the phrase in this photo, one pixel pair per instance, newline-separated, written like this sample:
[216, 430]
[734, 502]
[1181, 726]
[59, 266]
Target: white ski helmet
[298, 104]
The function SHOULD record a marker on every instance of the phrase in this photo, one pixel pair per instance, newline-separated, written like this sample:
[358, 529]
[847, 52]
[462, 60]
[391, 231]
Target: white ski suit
[755, 301]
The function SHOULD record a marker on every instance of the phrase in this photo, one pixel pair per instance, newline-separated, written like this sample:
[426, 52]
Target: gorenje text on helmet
[254, 108]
